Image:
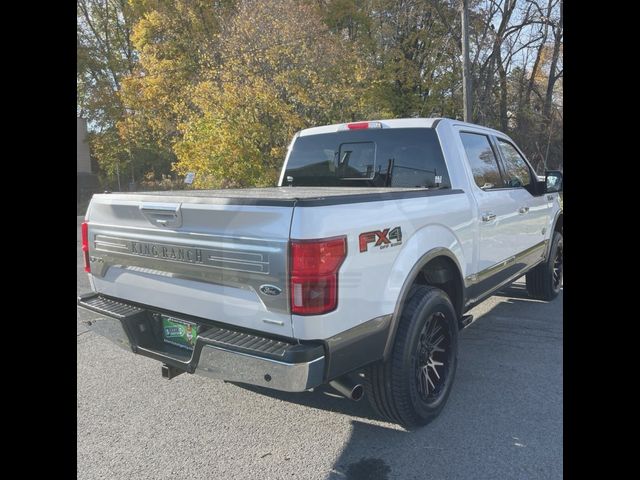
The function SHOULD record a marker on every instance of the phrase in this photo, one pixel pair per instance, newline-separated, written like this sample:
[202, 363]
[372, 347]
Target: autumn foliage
[219, 87]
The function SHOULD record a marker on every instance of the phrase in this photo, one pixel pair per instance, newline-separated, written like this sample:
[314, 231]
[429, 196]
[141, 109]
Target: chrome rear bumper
[223, 364]
[278, 364]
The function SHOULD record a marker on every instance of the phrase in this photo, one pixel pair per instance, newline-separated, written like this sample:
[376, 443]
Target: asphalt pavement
[503, 418]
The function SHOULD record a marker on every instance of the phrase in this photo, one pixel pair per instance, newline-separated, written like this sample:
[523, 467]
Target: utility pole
[467, 93]
[132, 185]
[546, 155]
[118, 175]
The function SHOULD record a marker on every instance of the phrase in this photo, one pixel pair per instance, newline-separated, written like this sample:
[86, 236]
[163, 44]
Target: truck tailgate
[193, 255]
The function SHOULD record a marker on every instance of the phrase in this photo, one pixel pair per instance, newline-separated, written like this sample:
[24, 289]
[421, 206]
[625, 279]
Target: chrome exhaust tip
[348, 387]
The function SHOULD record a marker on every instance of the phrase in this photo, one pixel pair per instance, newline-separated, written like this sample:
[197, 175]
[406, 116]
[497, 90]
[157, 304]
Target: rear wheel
[412, 386]
[544, 282]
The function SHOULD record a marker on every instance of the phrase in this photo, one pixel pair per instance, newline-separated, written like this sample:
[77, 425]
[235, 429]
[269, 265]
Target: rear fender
[436, 241]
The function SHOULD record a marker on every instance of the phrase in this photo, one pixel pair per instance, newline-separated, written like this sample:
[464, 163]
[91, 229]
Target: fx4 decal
[382, 238]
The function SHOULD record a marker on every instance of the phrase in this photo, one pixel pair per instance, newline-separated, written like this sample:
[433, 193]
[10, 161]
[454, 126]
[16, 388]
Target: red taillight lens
[314, 274]
[85, 246]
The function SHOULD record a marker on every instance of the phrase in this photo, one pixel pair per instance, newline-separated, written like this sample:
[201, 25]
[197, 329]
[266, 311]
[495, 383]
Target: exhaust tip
[357, 393]
[348, 387]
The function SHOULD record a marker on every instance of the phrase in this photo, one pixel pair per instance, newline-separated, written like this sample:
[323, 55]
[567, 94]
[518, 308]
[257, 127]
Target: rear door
[196, 255]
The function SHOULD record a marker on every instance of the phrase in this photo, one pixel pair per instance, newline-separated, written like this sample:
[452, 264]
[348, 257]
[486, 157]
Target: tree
[218, 87]
[105, 56]
[248, 109]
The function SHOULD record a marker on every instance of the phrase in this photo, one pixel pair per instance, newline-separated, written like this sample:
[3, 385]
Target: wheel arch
[557, 227]
[439, 258]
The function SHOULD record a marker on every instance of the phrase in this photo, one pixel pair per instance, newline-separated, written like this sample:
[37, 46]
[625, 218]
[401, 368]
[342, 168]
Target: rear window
[394, 157]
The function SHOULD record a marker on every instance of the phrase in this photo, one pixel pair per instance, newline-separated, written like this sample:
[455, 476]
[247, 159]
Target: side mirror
[553, 181]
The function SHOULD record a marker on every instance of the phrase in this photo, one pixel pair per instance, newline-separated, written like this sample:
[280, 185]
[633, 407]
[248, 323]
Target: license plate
[178, 332]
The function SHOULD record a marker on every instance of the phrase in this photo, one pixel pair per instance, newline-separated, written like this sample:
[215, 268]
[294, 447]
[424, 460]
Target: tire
[544, 281]
[398, 389]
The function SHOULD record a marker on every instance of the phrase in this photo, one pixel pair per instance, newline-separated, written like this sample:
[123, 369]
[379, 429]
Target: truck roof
[394, 123]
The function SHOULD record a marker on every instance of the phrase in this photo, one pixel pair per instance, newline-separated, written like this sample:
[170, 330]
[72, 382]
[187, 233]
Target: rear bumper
[219, 352]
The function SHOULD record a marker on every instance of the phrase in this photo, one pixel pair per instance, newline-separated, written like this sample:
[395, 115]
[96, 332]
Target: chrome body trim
[168, 215]
[239, 367]
[497, 276]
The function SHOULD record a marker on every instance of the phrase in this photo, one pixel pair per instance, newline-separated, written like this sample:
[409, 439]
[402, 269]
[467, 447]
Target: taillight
[314, 274]
[85, 246]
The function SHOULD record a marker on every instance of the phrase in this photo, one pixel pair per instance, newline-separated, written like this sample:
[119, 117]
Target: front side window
[516, 170]
[482, 159]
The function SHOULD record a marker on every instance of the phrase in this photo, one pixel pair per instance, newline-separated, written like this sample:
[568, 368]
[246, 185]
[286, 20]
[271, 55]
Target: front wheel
[544, 281]
[412, 386]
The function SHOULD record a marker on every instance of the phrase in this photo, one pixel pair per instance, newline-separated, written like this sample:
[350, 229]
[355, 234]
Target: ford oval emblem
[270, 290]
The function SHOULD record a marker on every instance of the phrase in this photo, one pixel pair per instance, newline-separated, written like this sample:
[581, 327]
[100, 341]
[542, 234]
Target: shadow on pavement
[503, 418]
[323, 398]
[516, 290]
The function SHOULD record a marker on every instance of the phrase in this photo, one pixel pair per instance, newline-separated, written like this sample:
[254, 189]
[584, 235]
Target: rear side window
[482, 159]
[516, 170]
[394, 157]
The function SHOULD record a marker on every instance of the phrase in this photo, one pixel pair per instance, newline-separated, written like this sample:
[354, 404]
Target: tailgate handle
[163, 214]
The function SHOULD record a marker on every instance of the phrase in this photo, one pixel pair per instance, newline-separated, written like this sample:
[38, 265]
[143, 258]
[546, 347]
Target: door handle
[488, 216]
[164, 215]
[523, 209]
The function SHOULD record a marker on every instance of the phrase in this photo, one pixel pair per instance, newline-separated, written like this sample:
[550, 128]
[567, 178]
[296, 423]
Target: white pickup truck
[356, 271]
